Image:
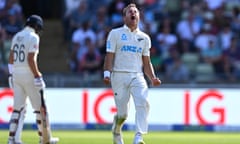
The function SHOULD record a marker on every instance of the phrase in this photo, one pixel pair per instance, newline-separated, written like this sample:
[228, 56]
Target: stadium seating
[204, 73]
[190, 60]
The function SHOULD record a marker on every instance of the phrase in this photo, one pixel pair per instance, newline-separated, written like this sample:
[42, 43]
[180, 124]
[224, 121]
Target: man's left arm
[149, 71]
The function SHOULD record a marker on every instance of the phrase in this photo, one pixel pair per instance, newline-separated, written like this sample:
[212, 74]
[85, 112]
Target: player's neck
[132, 27]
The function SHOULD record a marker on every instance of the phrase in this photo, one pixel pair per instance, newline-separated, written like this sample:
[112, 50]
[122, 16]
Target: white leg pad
[16, 124]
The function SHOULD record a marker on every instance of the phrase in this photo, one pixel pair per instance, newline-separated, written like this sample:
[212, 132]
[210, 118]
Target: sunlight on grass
[105, 137]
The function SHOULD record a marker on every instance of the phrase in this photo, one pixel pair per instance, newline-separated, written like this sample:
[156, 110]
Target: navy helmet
[35, 22]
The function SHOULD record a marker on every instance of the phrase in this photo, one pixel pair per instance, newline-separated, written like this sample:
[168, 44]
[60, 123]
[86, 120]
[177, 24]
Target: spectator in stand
[5, 6]
[219, 20]
[79, 16]
[167, 22]
[12, 25]
[173, 54]
[94, 5]
[177, 71]
[100, 21]
[2, 4]
[202, 40]
[232, 59]
[17, 8]
[235, 22]
[100, 26]
[69, 7]
[115, 12]
[166, 41]
[208, 18]
[214, 4]
[91, 59]
[90, 63]
[3, 36]
[3, 62]
[79, 35]
[225, 37]
[13, 5]
[187, 30]
[213, 55]
[78, 43]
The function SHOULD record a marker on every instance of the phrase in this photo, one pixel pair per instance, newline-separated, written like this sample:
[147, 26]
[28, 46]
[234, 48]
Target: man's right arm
[107, 67]
[33, 64]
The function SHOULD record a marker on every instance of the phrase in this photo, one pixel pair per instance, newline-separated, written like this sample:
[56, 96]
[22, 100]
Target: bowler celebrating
[128, 55]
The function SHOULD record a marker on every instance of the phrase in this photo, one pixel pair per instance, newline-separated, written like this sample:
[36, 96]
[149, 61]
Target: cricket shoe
[15, 143]
[53, 140]
[117, 139]
[138, 139]
[12, 141]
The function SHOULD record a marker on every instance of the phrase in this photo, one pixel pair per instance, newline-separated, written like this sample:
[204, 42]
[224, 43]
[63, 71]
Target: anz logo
[134, 49]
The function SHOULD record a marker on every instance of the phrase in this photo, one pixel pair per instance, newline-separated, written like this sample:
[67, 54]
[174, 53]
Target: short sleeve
[34, 44]
[148, 45]
[111, 42]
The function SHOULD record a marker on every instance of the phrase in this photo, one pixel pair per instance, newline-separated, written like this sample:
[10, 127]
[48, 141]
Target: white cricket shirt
[24, 42]
[129, 47]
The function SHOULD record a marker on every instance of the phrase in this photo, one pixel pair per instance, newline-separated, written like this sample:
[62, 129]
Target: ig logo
[6, 102]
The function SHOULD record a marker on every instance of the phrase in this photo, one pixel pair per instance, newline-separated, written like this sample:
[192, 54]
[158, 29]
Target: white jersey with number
[129, 47]
[24, 42]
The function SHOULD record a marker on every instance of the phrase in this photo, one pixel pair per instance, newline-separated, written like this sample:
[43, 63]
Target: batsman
[26, 81]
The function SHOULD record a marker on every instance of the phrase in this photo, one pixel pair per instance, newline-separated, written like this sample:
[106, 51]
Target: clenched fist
[156, 81]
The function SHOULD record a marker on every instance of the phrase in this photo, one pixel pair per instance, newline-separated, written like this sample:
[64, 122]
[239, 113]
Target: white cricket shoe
[53, 140]
[117, 139]
[12, 141]
[138, 139]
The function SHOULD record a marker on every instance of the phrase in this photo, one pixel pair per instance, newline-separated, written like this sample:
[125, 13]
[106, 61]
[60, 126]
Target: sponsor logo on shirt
[129, 48]
[124, 37]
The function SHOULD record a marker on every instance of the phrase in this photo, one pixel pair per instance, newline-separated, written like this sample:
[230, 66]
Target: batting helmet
[35, 22]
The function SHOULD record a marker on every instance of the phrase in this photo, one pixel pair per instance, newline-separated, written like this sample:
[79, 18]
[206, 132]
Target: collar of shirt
[135, 31]
[29, 29]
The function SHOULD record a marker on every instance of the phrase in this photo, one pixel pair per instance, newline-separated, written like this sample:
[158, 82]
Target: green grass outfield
[105, 137]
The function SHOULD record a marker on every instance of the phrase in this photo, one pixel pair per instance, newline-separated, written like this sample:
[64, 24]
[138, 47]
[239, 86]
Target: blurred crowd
[11, 21]
[191, 39]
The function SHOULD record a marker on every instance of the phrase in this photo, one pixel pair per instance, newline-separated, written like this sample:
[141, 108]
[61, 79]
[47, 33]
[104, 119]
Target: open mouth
[132, 17]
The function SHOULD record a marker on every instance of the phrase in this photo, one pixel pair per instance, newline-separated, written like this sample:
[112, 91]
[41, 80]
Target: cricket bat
[46, 135]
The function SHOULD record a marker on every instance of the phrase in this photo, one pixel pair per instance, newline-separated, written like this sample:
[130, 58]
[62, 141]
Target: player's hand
[156, 81]
[39, 83]
[106, 77]
[10, 81]
[107, 80]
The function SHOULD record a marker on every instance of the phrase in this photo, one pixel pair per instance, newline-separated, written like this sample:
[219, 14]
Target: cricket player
[128, 55]
[26, 81]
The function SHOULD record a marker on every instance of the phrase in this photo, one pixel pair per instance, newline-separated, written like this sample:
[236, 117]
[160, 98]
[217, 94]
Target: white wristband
[106, 74]
[10, 68]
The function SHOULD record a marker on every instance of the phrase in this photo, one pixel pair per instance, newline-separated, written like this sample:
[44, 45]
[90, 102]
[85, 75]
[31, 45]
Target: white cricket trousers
[126, 84]
[23, 85]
